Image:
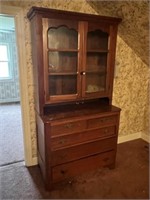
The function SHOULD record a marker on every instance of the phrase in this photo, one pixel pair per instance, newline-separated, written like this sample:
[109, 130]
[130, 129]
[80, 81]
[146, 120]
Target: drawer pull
[105, 120]
[62, 141]
[63, 171]
[70, 182]
[68, 126]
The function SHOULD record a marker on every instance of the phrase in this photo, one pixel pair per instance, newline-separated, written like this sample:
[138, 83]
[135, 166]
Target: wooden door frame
[17, 13]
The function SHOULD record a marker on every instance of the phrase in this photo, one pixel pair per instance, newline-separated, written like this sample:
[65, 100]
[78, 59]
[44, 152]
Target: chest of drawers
[73, 143]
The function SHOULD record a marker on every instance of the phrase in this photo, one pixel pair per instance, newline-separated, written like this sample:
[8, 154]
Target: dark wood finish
[82, 137]
[65, 171]
[73, 60]
[77, 138]
[65, 155]
[65, 15]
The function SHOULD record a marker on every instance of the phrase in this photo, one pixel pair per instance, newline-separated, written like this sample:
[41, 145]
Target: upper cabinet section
[73, 55]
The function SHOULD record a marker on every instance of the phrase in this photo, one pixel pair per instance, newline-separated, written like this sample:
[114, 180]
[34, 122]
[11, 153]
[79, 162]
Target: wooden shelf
[63, 50]
[96, 72]
[97, 51]
[62, 73]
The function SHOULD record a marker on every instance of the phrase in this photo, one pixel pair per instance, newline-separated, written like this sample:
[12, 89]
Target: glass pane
[62, 62]
[61, 85]
[97, 40]
[3, 53]
[4, 70]
[95, 82]
[62, 38]
[96, 62]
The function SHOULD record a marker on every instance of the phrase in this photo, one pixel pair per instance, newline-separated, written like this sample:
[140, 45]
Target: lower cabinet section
[65, 171]
[70, 146]
[80, 151]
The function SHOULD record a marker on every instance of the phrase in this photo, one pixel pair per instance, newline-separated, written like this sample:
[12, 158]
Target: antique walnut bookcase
[73, 60]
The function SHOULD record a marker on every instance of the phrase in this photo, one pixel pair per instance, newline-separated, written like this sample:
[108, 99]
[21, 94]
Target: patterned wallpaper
[130, 84]
[9, 88]
[131, 90]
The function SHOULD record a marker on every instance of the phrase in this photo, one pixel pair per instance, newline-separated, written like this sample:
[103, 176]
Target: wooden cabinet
[73, 59]
[77, 67]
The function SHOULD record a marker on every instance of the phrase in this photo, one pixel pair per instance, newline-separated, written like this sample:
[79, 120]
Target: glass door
[62, 56]
[96, 62]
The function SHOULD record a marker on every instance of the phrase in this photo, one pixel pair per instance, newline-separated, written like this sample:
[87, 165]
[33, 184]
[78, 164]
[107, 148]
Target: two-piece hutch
[73, 60]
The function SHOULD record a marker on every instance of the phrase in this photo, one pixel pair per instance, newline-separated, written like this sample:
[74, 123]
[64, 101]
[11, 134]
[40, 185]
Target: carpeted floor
[11, 137]
[129, 180]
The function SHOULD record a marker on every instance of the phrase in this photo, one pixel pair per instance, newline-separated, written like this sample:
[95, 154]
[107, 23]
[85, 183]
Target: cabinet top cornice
[61, 14]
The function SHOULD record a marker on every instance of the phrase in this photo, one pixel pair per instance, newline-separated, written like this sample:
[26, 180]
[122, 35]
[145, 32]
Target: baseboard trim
[145, 137]
[126, 138]
[134, 136]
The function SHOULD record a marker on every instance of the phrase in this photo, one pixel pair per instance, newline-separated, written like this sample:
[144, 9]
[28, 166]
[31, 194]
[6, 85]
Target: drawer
[66, 171]
[102, 121]
[81, 151]
[82, 137]
[67, 128]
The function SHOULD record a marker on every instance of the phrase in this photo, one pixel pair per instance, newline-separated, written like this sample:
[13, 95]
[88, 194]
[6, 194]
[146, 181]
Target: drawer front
[66, 171]
[74, 139]
[67, 128]
[84, 150]
[102, 121]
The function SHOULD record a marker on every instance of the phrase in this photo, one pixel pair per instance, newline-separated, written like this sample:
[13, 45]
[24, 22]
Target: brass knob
[83, 73]
[68, 125]
[62, 141]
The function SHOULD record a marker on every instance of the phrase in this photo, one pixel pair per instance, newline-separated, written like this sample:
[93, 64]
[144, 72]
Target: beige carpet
[11, 136]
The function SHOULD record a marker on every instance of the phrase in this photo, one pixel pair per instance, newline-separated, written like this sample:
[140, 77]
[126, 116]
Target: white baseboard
[134, 136]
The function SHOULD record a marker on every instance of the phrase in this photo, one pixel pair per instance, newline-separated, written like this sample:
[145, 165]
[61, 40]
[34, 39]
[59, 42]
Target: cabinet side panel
[41, 144]
[111, 60]
[112, 166]
[37, 57]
